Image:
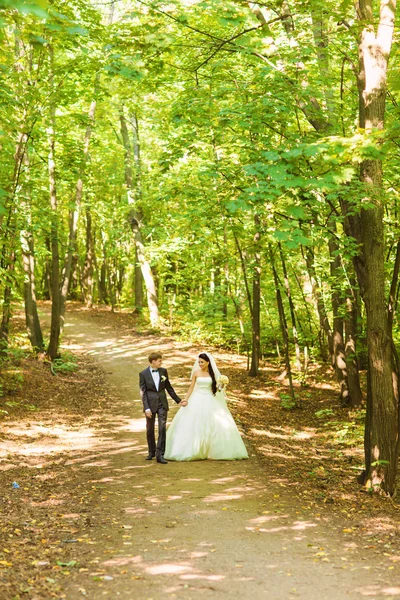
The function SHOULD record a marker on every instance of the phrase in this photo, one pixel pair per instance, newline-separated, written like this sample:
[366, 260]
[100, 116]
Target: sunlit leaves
[37, 8]
[293, 238]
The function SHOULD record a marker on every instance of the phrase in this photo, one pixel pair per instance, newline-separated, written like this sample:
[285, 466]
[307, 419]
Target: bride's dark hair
[204, 356]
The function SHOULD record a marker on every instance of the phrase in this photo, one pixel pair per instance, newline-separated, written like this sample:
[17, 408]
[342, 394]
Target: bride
[205, 427]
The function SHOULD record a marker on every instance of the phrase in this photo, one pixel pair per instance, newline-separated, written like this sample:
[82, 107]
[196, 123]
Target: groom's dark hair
[154, 356]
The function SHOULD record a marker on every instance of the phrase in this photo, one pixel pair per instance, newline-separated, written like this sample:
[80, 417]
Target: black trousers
[162, 414]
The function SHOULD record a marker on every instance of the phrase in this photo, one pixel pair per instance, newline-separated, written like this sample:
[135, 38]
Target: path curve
[191, 530]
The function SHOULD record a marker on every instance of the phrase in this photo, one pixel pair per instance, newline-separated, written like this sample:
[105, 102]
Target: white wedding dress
[204, 428]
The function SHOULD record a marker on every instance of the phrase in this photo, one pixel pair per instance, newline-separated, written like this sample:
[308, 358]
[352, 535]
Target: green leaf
[378, 463]
[296, 211]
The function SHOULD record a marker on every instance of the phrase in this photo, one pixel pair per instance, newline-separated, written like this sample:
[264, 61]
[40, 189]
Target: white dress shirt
[156, 378]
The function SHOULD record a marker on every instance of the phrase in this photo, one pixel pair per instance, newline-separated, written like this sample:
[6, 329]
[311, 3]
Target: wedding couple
[202, 428]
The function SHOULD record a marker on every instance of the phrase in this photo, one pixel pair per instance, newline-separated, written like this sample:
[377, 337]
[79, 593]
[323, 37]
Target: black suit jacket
[151, 397]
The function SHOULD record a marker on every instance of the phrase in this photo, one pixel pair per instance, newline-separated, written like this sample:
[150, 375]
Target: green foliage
[324, 412]
[66, 363]
[37, 8]
[349, 433]
[287, 402]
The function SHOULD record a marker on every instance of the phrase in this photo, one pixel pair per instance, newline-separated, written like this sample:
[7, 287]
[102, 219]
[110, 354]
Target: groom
[153, 382]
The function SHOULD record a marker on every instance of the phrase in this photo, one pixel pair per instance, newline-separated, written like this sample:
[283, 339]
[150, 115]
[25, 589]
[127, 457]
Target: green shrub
[67, 363]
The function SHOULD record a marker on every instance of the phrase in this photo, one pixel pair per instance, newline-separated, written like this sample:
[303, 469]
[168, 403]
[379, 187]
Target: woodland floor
[93, 519]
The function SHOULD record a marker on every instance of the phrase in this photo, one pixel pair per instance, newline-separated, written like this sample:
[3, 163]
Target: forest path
[193, 530]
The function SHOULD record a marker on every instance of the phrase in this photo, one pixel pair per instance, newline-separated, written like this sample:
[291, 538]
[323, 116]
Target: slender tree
[55, 327]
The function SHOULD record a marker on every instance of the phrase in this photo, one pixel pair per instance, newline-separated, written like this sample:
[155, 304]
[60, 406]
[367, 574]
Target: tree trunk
[305, 306]
[31, 314]
[355, 395]
[152, 300]
[138, 284]
[284, 328]
[255, 316]
[320, 306]
[111, 283]
[394, 287]
[76, 276]
[28, 262]
[238, 312]
[120, 281]
[226, 277]
[134, 216]
[139, 277]
[88, 268]
[46, 281]
[8, 266]
[55, 262]
[102, 285]
[74, 212]
[338, 356]
[291, 308]
[7, 296]
[7, 258]
[244, 271]
[248, 294]
[382, 421]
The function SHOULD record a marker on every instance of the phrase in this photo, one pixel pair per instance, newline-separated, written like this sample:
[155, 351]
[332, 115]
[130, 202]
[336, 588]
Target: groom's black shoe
[150, 456]
[162, 460]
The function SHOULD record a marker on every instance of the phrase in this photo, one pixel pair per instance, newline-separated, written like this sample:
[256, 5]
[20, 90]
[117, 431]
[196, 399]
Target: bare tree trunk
[138, 283]
[238, 311]
[394, 286]
[8, 266]
[74, 212]
[339, 356]
[256, 331]
[120, 281]
[103, 296]
[226, 276]
[55, 263]
[134, 216]
[28, 261]
[367, 227]
[291, 308]
[283, 324]
[305, 305]
[355, 395]
[248, 294]
[7, 296]
[7, 258]
[244, 271]
[31, 314]
[321, 310]
[74, 284]
[111, 283]
[152, 300]
[139, 277]
[46, 281]
[88, 268]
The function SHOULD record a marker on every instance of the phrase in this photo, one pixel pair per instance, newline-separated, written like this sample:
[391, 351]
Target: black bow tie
[154, 370]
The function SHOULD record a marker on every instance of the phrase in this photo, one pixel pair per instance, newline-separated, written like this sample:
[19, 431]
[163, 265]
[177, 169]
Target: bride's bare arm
[190, 390]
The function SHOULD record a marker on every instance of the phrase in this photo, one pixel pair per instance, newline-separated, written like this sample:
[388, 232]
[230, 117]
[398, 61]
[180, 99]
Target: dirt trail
[193, 530]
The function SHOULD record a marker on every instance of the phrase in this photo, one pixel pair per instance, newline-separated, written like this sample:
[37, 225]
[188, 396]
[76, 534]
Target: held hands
[184, 403]
[148, 413]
